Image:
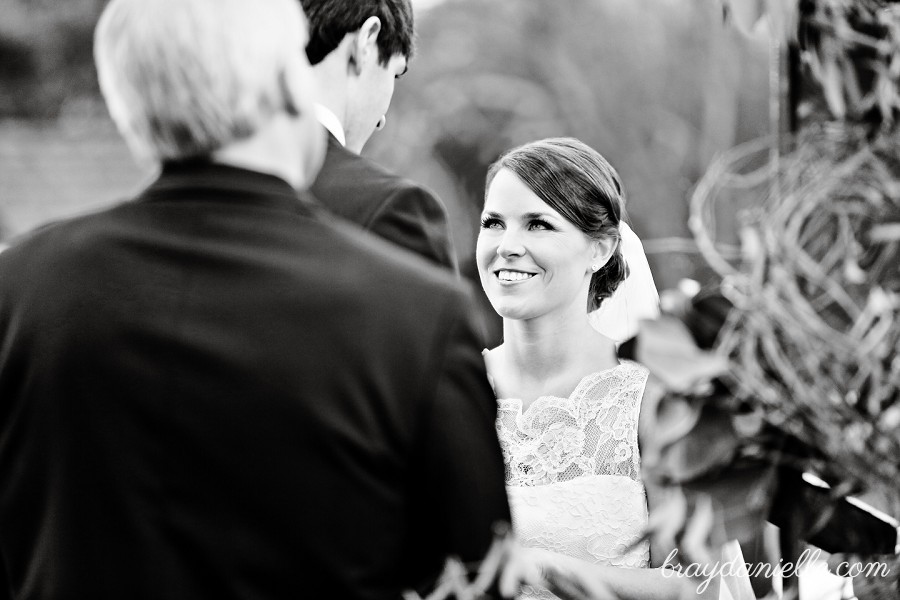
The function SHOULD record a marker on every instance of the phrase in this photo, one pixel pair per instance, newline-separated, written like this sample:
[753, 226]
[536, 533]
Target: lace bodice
[573, 469]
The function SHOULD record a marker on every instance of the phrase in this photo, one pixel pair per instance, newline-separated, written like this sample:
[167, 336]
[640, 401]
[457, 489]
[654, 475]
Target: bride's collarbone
[529, 389]
[513, 381]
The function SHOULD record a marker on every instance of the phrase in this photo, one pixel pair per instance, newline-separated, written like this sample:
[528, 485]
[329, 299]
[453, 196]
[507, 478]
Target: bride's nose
[510, 244]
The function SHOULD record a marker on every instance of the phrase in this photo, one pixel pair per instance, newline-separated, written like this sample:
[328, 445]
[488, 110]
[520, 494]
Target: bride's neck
[541, 347]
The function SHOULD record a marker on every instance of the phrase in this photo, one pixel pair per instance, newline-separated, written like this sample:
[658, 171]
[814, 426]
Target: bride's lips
[512, 276]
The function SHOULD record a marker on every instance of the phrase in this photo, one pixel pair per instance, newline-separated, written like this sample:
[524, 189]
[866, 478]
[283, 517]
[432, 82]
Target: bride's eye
[491, 223]
[541, 225]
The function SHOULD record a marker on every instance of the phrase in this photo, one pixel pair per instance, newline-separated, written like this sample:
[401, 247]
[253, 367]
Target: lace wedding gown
[573, 469]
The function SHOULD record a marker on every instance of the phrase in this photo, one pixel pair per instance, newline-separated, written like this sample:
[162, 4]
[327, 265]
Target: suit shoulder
[396, 186]
[354, 186]
[61, 237]
[387, 262]
[385, 283]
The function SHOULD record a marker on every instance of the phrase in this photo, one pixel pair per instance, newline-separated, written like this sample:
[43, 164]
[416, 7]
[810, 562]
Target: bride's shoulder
[601, 358]
[630, 367]
[624, 382]
[634, 375]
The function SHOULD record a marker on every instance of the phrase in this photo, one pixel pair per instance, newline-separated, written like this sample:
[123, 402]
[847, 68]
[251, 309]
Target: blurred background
[657, 86]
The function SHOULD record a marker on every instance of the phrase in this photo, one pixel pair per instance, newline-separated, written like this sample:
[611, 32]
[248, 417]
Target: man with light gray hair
[213, 390]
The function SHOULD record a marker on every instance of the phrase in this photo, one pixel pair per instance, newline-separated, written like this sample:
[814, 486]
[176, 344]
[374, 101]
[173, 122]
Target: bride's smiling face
[531, 260]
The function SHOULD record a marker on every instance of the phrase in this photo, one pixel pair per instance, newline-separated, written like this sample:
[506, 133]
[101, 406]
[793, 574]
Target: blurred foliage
[850, 63]
[811, 326]
[724, 465]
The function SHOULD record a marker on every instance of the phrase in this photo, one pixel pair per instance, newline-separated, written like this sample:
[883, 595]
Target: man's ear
[364, 44]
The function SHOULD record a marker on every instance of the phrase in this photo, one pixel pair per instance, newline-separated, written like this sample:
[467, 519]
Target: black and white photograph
[450, 299]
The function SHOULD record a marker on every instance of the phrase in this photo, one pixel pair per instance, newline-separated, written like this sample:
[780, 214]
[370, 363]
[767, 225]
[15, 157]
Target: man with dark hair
[358, 48]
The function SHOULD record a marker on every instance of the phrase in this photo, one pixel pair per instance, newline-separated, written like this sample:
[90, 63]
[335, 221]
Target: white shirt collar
[330, 121]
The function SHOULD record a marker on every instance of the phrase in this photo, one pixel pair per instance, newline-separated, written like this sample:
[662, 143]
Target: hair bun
[607, 279]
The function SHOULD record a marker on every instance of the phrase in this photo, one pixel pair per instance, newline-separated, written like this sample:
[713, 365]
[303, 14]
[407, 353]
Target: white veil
[635, 299]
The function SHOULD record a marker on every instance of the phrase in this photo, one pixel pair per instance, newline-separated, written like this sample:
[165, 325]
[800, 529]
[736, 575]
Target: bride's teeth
[513, 275]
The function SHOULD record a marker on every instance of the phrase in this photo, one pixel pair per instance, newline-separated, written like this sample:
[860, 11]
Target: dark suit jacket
[210, 392]
[396, 209]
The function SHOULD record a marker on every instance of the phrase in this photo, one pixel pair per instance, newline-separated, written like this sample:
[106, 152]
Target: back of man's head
[184, 78]
[331, 20]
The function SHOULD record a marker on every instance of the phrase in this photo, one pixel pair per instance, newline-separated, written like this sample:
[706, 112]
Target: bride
[549, 254]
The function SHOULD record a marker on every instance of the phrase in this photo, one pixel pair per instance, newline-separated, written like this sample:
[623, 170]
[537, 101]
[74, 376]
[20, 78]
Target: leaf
[748, 425]
[686, 438]
[701, 517]
[741, 497]
[668, 517]
[710, 443]
[666, 347]
[697, 531]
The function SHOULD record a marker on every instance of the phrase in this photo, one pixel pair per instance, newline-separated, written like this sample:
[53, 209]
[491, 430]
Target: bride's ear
[602, 251]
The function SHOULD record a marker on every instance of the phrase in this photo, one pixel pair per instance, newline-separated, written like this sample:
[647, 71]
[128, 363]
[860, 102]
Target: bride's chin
[515, 313]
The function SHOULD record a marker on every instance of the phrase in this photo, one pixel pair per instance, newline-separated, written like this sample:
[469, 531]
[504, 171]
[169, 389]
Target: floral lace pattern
[573, 469]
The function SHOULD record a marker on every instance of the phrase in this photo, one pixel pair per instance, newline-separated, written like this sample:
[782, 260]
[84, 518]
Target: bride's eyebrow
[536, 215]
